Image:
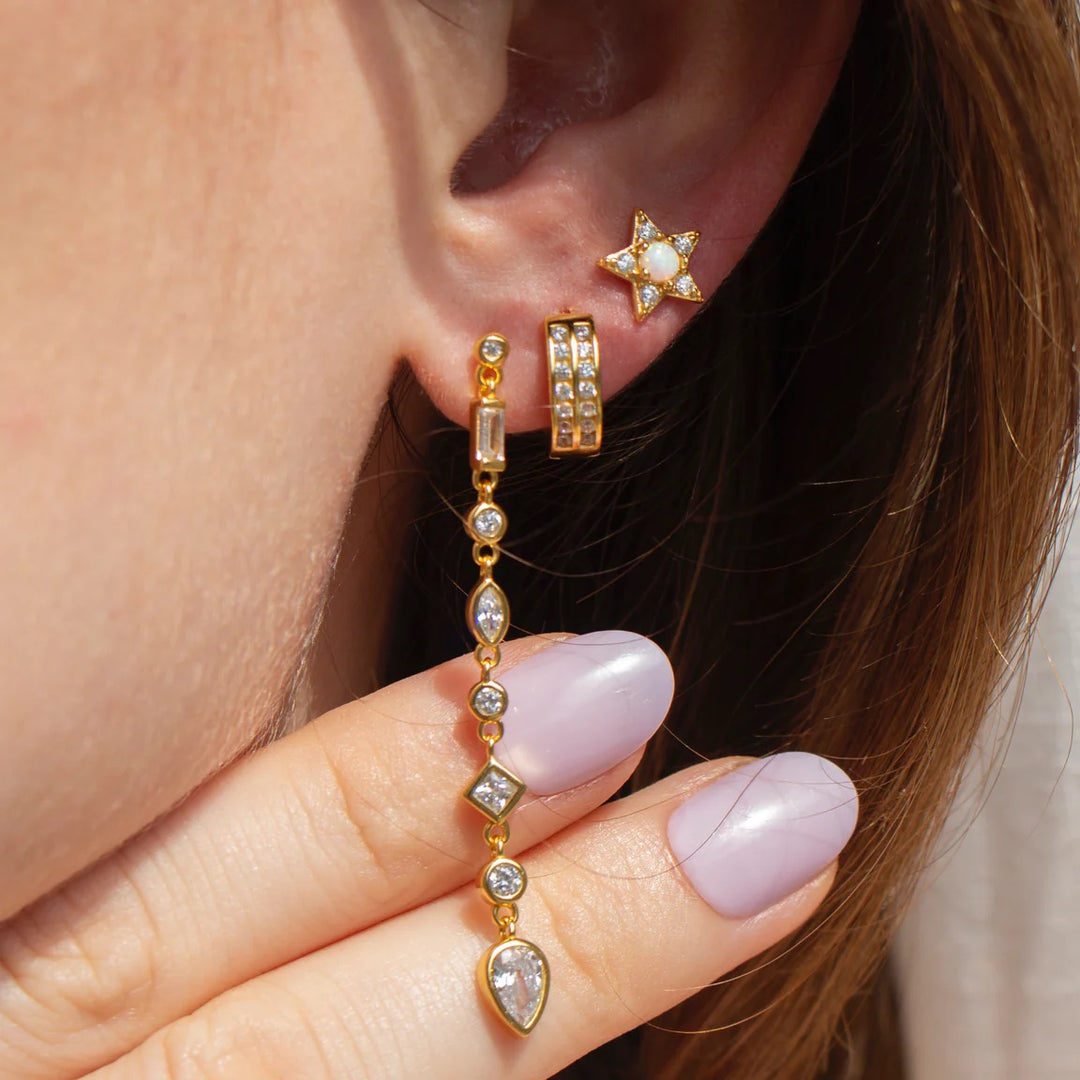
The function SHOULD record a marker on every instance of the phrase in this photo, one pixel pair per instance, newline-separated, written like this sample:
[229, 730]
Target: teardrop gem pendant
[514, 977]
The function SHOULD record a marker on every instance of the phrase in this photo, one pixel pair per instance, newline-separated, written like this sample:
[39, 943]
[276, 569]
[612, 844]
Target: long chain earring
[513, 974]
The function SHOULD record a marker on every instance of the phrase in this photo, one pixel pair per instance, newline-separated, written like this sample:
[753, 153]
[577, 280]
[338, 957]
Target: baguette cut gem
[516, 975]
[488, 613]
[488, 435]
[495, 791]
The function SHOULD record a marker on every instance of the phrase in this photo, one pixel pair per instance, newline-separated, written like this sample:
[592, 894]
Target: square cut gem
[488, 429]
[495, 791]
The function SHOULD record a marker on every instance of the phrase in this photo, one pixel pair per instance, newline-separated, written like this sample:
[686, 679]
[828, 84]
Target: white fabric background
[989, 959]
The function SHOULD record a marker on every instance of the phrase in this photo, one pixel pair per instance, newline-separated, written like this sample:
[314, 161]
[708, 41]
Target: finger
[636, 908]
[352, 819]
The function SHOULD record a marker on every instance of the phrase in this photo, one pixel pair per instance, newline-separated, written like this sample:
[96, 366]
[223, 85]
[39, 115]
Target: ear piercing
[573, 352]
[512, 973]
[656, 264]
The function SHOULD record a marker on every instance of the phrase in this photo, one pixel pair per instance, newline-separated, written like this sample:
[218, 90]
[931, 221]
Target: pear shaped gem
[515, 975]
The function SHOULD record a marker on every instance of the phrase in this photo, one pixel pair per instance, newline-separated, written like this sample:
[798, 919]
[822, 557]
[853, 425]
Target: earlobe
[733, 93]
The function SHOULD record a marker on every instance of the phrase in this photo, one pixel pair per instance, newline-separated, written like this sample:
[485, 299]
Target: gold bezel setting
[497, 980]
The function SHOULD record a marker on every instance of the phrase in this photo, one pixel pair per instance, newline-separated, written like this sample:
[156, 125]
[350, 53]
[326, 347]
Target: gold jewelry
[656, 264]
[577, 414]
[513, 974]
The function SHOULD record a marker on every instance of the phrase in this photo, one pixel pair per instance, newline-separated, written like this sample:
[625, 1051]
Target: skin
[223, 225]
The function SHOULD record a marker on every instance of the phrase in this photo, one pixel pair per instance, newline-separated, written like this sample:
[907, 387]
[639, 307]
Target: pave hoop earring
[573, 352]
[513, 974]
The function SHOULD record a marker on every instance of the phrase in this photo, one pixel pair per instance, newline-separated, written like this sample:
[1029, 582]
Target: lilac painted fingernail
[763, 831]
[582, 706]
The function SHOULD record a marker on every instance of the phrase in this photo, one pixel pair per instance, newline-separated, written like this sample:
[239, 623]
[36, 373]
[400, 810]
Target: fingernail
[582, 706]
[763, 831]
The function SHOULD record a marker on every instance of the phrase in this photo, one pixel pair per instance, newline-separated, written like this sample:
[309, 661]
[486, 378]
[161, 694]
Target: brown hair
[833, 498]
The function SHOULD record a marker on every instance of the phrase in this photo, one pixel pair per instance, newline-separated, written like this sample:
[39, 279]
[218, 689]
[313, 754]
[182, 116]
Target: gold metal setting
[513, 974]
[520, 1020]
[577, 410]
[657, 265]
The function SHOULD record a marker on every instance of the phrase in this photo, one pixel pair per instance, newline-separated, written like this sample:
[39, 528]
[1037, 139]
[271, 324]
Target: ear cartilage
[657, 265]
[577, 411]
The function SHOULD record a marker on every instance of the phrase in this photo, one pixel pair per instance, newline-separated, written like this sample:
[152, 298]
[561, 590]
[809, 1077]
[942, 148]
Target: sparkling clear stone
[517, 981]
[559, 333]
[626, 262]
[684, 285]
[582, 332]
[489, 614]
[505, 880]
[586, 371]
[650, 296]
[585, 349]
[588, 438]
[683, 245]
[588, 427]
[564, 441]
[661, 260]
[489, 701]
[562, 350]
[586, 389]
[564, 411]
[562, 370]
[647, 231]
[493, 350]
[588, 408]
[489, 522]
[494, 790]
[489, 436]
[563, 391]
[565, 428]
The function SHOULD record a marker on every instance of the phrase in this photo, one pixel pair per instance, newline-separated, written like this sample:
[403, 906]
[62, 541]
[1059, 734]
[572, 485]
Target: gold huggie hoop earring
[513, 974]
[577, 411]
[657, 265]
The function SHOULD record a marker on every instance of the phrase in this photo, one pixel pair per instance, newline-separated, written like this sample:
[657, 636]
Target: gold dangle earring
[513, 974]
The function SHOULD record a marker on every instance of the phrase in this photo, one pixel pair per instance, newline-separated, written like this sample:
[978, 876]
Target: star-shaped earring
[656, 265]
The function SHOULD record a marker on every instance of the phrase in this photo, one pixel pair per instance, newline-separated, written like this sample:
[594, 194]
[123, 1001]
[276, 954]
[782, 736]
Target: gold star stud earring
[656, 264]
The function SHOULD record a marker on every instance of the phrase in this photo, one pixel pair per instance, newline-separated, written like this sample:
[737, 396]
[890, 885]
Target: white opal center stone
[661, 260]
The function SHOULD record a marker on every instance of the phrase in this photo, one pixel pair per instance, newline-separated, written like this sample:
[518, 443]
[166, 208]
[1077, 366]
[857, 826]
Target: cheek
[182, 405]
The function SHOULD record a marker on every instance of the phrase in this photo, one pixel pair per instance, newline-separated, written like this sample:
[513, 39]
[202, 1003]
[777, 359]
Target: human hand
[312, 911]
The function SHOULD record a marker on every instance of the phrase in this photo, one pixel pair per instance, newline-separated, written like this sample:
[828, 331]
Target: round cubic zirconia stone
[586, 371]
[585, 349]
[647, 231]
[563, 391]
[684, 245]
[661, 260]
[586, 389]
[489, 522]
[489, 701]
[684, 285]
[582, 332]
[561, 350]
[588, 427]
[626, 263]
[565, 428]
[563, 411]
[505, 880]
[559, 333]
[650, 296]
[493, 350]
[562, 370]
[588, 408]
[564, 441]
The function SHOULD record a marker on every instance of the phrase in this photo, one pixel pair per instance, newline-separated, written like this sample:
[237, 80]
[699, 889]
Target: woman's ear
[552, 122]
